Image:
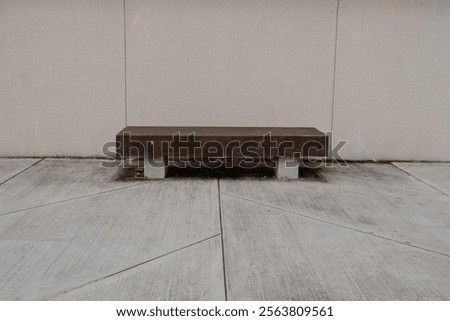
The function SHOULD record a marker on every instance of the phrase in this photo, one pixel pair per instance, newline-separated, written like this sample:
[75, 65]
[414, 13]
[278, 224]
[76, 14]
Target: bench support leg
[287, 168]
[155, 167]
[128, 162]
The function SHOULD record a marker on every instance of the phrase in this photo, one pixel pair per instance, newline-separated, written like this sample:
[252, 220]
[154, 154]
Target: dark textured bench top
[146, 131]
[300, 137]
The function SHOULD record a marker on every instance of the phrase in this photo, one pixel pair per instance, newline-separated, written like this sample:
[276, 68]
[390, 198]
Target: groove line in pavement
[135, 266]
[22, 171]
[403, 170]
[337, 225]
[76, 198]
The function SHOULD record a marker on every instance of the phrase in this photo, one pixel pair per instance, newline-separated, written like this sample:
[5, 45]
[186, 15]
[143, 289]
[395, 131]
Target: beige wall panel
[226, 62]
[230, 62]
[62, 76]
[393, 79]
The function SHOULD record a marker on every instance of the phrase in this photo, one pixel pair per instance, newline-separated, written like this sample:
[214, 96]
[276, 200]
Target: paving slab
[110, 232]
[13, 166]
[436, 175]
[193, 273]
[274, 255]
[55, 180]
[374, 198]
[70, 230]
[23, 261]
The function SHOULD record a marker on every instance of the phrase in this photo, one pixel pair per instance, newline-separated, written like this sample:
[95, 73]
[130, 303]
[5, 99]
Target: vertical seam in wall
[334, 64]
[125, 59]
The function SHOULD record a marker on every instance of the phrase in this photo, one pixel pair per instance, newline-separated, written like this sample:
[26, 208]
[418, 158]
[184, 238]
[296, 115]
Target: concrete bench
[283, 146]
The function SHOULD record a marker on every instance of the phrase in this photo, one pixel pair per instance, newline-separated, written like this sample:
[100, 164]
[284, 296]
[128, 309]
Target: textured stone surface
[436, 175]
[10, 167]
[193, 273]
[57, 180]
[378, 199]
[70, 231]
[274, 255]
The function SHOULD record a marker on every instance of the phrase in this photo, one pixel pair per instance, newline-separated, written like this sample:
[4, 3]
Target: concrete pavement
[71, 230]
